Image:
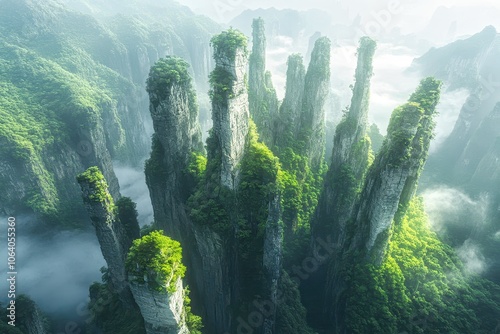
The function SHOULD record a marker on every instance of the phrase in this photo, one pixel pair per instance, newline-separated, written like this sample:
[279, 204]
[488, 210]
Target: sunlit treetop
[165, 73]
[156, 260]
[97, 182]
[228, 42]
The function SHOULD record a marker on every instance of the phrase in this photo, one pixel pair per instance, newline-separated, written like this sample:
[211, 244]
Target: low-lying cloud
[471, 255]
[462, 222]
[448, 110]
[133, 184]
[448, 206]
[54, 269]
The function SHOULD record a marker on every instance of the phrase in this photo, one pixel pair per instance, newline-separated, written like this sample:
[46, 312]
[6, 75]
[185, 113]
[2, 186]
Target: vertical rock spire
[111, 234]
[174, 111]
[263, 102]
[344, 180]
[316, 89]
[351, 154]
[230, 111]
[272, 258]
[155, 269]
[389, 185]
[289, 112]
[392, 179]
[174, 119]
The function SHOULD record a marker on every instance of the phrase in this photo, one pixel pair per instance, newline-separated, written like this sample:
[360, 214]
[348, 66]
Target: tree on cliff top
[98, 184]
[156, 259]
[165, 73]
[227, 42]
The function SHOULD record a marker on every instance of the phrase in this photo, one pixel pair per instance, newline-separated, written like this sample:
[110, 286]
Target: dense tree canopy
[156, 260]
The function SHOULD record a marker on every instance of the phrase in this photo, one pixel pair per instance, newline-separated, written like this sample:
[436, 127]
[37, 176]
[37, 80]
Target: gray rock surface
[263, 102]
[111, 234]
[288, 122]
[271, 263]
[162, 311]
[392, 179]
[350, 155]
[384, 192]
[316, 90]
[230, 117]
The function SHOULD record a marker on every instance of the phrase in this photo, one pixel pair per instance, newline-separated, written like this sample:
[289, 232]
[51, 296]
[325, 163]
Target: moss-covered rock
[156, 260]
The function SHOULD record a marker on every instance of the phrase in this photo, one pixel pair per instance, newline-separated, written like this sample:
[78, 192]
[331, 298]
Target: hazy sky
[391, 85]
[418, 10]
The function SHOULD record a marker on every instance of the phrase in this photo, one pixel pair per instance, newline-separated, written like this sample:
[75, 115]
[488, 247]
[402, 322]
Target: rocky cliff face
[271, 262]
[223, 233]
[252, 259]
[263, 102]
[95, 64]
[162, 312]
[213, 279]
[350, 155]
[488, 143]
[29, 317]
[476, 147]
[177, 134]
[344, 180]
[470, 64]
[176, 138]
[389, 185]
[82, 134]
[456, 161]
[155, 271]
[145, 272]
[466, 159]
[460, 64]
[289, 112]
[230, 113]
[316, 88]
[301, 121]
[392, 180]
[112, 235]
[175, 119]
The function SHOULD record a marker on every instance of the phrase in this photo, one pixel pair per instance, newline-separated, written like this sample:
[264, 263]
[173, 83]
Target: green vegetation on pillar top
[227, 42]
[319, 67]
[427, 94]
[366, 42]
[165, 73]
[97, 182]
[259, 43]
[156, 260]
[419, 111]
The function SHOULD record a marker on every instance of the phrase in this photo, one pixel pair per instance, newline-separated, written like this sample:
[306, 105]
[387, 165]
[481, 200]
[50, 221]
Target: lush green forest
[74, 85]
[256, 229]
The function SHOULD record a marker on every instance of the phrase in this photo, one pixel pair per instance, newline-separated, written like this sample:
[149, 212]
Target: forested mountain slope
[73, 95]
[468, 160]
[254, 231]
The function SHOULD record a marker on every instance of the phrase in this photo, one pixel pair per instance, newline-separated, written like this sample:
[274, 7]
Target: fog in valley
[57, 267]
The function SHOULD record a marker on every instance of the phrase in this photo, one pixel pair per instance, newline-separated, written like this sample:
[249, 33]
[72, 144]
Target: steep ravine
[92, 69]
